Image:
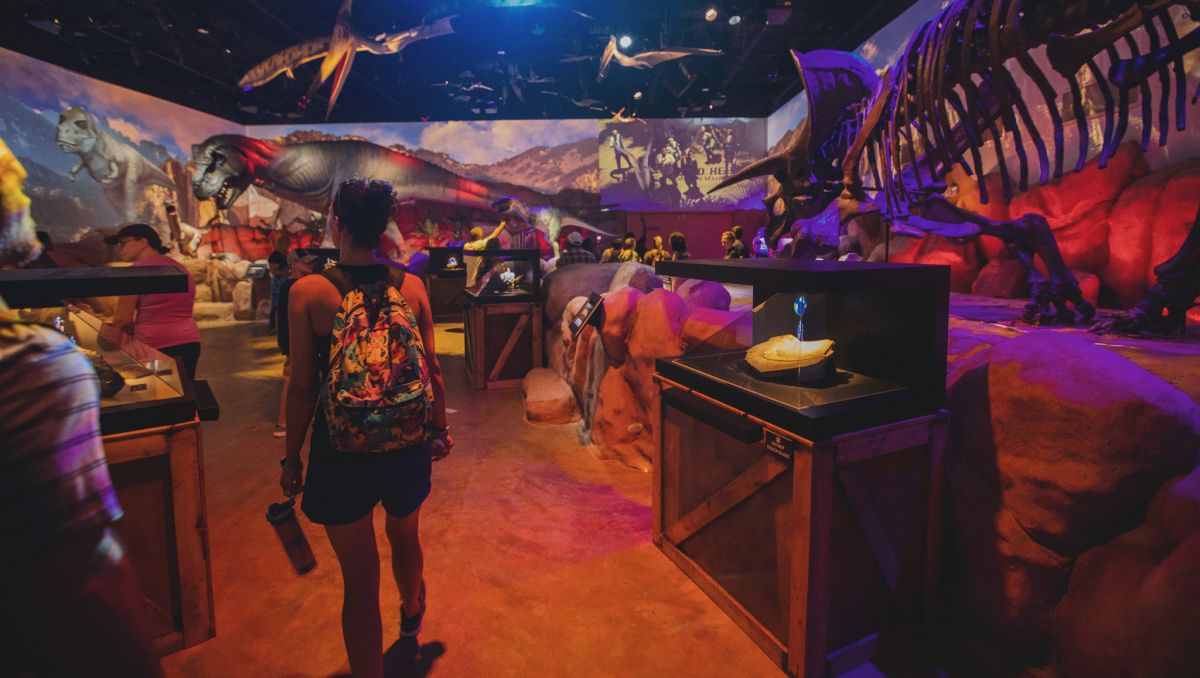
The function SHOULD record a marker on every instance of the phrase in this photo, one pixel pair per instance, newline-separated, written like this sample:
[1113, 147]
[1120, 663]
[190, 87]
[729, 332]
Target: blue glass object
[800, 305]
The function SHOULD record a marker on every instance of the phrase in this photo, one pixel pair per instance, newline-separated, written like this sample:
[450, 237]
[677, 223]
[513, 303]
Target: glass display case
[503, 275]
[828, 347]
[447, 262]
[140, 387]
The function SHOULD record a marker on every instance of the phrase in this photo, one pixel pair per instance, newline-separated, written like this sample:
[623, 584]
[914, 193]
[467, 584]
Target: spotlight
[625, 42]
[637, 96]
[735, 20]
[711, 14]
[202, 30]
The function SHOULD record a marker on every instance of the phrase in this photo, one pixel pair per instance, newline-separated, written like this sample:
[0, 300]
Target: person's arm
[126, 312]
[303, 382]
[414, 291]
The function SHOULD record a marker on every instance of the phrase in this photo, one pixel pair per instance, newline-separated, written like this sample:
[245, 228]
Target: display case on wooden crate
[151, 435]
[502, 316]
[799, 468]
[446, 281]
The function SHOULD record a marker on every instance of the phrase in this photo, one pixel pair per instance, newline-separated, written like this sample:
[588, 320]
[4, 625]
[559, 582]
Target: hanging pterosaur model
[952, 92]
[337, 53]
[645, 60]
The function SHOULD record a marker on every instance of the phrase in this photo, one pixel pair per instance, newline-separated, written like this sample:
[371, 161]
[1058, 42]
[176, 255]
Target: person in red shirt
[161, 321]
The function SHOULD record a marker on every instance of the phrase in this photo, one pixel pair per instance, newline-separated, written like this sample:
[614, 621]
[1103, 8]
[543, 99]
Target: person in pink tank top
[161, 321]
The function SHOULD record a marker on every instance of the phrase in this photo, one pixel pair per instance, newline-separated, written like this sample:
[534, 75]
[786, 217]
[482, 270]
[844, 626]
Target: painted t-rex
[123, 172]
[547, 219]
[309, 173]
[952, 92]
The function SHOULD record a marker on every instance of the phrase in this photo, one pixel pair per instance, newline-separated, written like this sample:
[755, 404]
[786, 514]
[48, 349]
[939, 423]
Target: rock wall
[1113, 224]
[1058, 447]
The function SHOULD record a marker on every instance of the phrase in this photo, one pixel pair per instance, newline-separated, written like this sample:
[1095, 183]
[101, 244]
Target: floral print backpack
[377, 395]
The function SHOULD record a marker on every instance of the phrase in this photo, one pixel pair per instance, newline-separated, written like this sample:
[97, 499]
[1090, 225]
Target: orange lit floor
[538, 556]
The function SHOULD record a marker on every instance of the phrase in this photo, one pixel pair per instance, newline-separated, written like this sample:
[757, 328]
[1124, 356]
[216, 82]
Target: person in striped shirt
[70, 601]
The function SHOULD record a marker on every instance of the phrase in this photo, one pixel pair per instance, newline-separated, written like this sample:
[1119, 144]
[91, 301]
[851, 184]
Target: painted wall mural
[99, 155]
[672, 164]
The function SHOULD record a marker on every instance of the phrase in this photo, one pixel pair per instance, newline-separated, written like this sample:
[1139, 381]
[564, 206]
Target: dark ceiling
[506, 58]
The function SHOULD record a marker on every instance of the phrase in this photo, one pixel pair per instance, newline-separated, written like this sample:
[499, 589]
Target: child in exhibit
[356, 462]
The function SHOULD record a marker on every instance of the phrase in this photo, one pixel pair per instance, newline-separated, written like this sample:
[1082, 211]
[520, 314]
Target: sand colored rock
[559, 287]
[619, 308]
[962, 258]
[1003, 278]
[243, 293]
[637, 276]
[203, 293]
[616, 409]
[197, 267]
[1133, 605]
[655, 330]
[1069, 481]
[547, 398]
[703, 294]
[1147, 225]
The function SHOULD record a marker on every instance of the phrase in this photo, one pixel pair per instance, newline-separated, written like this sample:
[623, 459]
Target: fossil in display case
[786, 356]
[111, 381]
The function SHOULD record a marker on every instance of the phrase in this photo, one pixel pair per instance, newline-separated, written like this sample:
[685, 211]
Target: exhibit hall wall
[100, 156]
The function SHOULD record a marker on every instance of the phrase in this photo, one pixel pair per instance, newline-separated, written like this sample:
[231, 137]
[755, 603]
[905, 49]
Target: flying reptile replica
[337, 51]
[645, 60]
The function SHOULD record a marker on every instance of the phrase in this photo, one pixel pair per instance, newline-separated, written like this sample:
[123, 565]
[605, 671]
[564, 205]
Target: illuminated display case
[802, 490]
[503, 275]
[151, 392]
[887, 323]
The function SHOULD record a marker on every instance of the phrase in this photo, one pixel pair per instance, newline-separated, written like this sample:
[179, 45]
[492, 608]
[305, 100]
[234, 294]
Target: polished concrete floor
[538, 556]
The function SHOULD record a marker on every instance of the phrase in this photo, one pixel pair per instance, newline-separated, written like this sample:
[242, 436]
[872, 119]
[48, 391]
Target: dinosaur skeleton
[954, 90]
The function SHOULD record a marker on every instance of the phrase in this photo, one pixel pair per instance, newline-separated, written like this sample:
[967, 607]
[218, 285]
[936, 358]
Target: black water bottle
[282, 517]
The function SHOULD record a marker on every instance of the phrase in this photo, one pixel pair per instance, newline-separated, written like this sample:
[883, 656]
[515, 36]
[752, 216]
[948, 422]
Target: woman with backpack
[365, 375]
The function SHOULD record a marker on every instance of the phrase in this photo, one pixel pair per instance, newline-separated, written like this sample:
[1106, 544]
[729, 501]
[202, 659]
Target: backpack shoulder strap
[396, 277]
[340, 280]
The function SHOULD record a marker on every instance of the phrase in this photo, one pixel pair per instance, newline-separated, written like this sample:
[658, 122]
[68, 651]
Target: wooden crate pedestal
[503, 342]
[821, 551]
[158, 474]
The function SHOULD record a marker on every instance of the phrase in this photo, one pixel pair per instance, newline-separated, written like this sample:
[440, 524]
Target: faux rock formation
[243, 293]
[635, 275]
[548, 399]
[1003, 278]
[1133, 606]
[703, 294]
[1036, 479]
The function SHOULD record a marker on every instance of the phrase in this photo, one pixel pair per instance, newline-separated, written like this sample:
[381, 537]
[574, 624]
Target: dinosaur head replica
[77, 131]
[513, 209]
[225, 165]
[807, 170]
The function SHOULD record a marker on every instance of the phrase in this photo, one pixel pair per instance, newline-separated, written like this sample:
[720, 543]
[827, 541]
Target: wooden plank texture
[745, 485]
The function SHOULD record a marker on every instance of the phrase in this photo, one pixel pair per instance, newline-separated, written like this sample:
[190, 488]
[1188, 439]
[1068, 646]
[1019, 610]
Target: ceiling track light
[625, 42]
[710, 14]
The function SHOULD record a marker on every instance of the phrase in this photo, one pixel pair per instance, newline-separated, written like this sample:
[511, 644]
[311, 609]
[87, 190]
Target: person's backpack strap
[340, 279]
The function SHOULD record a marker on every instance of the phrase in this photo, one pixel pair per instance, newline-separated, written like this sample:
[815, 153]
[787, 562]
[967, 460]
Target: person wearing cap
[575, 254]
[161, 321]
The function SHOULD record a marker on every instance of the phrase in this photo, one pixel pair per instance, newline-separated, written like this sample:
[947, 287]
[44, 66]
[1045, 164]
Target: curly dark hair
[364, 207]
[678, 242]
